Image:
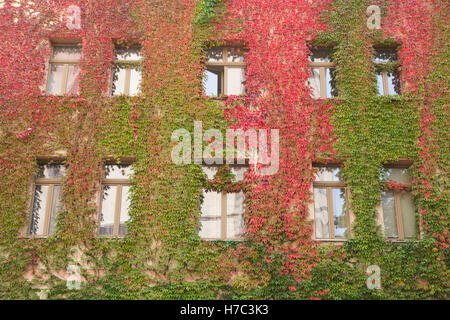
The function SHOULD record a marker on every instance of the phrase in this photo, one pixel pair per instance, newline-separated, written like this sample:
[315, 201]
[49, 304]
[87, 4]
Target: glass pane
[212, 81]
[235, 55]
[385, 56]
[235, 215]
[314, 83]
[108, 209]
[380, 83]
[339, 212]
[210, 171]
[320, 55]
[125, 205]
[118, 86]
[38, 211]
[239, 172]
[55, 79]
[328, 174]
[321, 213]
[330, 75]
[409, 221]
[118, 171]
[51, 171]
[400, 175]
[128, 54]
[56, 206]
[215, 54]
[394, 83]
[73, 79]
[135, 81]
[211, 215]
[66, 52]
[235, 81]
[390, 220]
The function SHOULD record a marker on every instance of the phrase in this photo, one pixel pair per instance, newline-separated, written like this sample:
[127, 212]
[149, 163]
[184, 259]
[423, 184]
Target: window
[323, 75]
[127, 74]
[225, 72]
[331, 198]
[398, 206]
[47, 199]
[388, 77]
[115, 200]
[64, 70]
[222, 213]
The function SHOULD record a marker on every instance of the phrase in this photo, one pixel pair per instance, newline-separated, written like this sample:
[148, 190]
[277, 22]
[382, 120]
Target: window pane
[108, 209]
[401, 175]
[321, 213]
[211, 215]
[330, 75]
[128, 54]
[339, 212]
[116, 171]
[385, 56]
[210, 171]
[56, 206]
[380, 83]
[118, 86]
[328, 174]
[135, 81]
[320, 55]
[235, 55]
[215, 54]
[125, 205]
[409, 221]
[212, 83]
[38, 211]
[239, 172]
[73, 79]
[394, 83]
[235, 215]
[390, 220]
[235, 82]
[51, 171]
[314, 83]
[66, 52]
[55, 79]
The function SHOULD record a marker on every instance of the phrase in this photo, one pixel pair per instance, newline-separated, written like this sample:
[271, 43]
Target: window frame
[128, 66]
[119, 183]
[210, 65]
[397, 210]
[65, 63]
[51, 183]
[381, 67]
[223, 208]
[322, 66]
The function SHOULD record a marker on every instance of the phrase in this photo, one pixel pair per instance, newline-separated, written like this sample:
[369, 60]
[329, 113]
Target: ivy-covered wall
[162, 256]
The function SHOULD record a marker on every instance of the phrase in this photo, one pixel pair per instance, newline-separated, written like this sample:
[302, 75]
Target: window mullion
[117, 211]
[223, 231]
[330, 212]
[323, 85]
[64, 82]
[127, 81]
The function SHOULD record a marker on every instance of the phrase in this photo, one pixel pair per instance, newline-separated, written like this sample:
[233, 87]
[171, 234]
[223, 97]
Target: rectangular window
[388, 77]
[64, 70]
[225, 72]
[323, 75]
[331, 214]
[116, 201]
[398, 206]
[47, 199]
[126, 75]
[222, 213]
